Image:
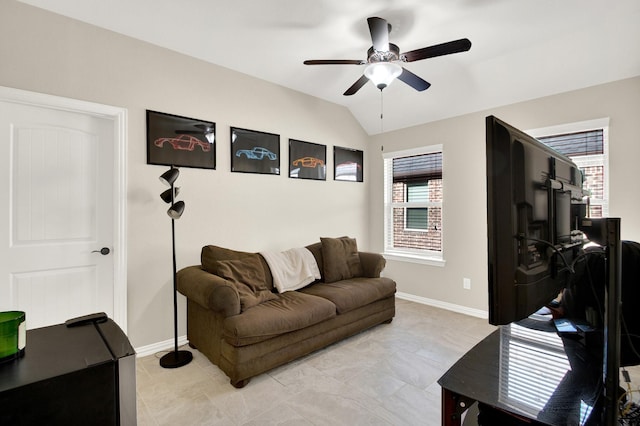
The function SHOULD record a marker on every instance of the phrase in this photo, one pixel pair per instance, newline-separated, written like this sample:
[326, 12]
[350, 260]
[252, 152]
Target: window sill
[423, 260]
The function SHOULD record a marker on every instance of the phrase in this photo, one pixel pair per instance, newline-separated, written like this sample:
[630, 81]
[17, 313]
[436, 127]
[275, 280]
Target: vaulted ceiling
[520, 49]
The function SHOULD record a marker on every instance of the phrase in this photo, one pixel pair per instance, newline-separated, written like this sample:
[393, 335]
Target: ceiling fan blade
[379, 30]
[356, 86]
[448, 48]
[335, 62]
[413, 80]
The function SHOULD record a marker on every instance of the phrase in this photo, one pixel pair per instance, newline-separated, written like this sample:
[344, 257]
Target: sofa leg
[240, 383]
[192, 346]
[388, 321]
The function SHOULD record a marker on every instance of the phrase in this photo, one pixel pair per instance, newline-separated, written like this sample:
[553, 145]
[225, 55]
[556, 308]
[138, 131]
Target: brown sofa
[244, 326]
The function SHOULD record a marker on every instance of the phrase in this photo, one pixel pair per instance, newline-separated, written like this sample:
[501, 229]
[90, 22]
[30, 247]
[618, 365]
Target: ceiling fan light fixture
[382, 74]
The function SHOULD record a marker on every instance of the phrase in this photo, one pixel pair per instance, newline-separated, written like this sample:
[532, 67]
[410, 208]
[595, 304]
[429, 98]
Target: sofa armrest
[208, 290]
[372, 264]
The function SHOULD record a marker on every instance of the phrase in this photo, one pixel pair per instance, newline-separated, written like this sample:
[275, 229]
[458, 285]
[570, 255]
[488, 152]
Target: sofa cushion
[247, 276]
[211, 254]
[340, 259]
[348, 295]
[289, 312]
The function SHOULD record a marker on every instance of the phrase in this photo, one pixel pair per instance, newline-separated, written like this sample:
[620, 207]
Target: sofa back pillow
[340, 258]
[247, 276]
[211, 254]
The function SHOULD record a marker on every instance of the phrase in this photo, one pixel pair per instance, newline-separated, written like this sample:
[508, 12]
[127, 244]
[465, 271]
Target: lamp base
[175, 359]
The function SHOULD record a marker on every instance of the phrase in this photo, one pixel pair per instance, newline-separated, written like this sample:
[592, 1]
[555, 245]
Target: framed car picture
[307, 160]
[347, 164]
[255, 152]
[178, 141]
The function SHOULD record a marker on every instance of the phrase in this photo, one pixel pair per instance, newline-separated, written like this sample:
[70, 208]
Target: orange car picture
[183, 143]
[311, 162]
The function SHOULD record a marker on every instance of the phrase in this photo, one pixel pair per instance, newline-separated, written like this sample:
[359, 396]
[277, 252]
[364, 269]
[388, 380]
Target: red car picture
[183, 143]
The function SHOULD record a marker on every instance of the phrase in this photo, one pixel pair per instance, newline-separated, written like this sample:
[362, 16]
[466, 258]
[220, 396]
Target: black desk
[533, 375]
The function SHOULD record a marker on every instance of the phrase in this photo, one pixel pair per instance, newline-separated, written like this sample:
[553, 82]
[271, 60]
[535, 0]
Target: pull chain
[381, 112]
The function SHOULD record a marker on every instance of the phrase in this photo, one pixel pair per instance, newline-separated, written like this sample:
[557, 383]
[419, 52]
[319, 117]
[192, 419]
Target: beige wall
[47, 53]
[463, 140]
[43, 52]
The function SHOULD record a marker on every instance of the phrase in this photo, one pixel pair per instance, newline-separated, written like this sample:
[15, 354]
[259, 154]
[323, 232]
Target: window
[413, 204]
[586, 144]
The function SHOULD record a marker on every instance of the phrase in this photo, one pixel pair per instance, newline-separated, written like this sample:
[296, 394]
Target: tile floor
[384, 376]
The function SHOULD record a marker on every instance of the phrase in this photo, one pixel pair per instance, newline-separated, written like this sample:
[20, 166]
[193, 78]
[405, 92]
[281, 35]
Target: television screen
[534, 201]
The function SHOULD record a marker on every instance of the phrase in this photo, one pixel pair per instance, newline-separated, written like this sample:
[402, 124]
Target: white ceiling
[520, 49]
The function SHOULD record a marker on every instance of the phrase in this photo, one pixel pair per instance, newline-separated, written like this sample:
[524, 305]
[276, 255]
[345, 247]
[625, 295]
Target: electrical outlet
[466, 283]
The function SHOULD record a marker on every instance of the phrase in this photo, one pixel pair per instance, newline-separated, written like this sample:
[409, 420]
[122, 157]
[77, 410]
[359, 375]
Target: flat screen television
[534, 202]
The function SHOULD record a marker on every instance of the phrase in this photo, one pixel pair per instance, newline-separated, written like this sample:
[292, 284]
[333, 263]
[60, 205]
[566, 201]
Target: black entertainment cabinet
[494, 375]
[81, 375]
[532, 376]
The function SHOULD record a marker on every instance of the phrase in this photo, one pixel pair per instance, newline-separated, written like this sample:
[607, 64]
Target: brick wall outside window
[431, 239]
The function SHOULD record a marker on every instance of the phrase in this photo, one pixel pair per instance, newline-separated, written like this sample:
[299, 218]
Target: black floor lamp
[176, 358]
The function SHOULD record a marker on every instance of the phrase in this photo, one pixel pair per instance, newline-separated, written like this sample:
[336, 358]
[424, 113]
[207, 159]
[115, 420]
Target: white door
[57, 213]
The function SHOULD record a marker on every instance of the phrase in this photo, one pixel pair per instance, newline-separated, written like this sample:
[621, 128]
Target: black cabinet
[71, 375]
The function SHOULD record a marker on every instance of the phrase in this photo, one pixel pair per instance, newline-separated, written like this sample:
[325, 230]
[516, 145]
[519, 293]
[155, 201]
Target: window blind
[590, 142]
[417, 167]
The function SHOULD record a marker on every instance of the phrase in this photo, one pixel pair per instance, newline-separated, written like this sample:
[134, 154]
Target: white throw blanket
[292, 269]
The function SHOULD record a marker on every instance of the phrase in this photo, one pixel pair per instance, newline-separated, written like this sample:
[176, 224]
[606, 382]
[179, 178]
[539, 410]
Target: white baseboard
[165, 346]
[444, 305]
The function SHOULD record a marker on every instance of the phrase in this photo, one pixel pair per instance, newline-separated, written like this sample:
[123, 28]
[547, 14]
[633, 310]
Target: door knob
[103, 251]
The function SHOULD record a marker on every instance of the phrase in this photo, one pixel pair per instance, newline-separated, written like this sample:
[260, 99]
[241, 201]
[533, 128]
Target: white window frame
[428, 257]
[591, 160]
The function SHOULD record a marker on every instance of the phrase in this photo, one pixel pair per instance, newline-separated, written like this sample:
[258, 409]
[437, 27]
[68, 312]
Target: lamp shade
[176, 210]
[166, 195]
[382, 74]
[170, 176]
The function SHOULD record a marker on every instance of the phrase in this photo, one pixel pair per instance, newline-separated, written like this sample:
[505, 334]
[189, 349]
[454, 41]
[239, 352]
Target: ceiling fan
[383, 59]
